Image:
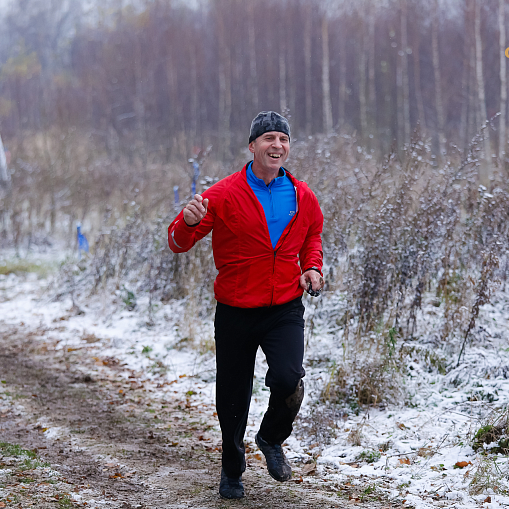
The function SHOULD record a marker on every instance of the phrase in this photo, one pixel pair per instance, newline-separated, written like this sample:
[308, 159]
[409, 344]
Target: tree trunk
[465, 78]
[283, 104]
[400, 128]
[292, 82]
[372, 112]
[139, 105]
[4, 176]
[225, 96]
[438, 82]
[363, 113]
[417, 77]
[307, 63]
[327, 105]
[175, 104]
[473, 120]
[253, 86]
[503, 82]
[342, 82]
[480, 83]
[194, 94]
[404, 72]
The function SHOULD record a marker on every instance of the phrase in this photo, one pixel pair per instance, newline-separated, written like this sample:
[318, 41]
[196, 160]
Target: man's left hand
[313, 277]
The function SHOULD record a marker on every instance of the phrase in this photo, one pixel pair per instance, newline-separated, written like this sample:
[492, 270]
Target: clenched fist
[195, 210]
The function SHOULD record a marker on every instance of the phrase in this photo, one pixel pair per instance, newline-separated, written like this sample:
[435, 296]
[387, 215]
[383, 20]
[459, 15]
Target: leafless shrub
[396, 232]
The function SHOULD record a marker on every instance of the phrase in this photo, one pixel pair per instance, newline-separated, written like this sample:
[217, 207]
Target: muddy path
[116, 446]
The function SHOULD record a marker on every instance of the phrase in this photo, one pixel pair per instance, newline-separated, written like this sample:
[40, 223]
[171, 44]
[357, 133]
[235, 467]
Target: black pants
[279, 330]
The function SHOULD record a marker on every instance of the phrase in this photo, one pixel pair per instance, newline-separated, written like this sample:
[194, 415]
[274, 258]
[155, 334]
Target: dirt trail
[108, 448]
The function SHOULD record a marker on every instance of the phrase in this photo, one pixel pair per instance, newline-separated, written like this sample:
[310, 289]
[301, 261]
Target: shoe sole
[270, 473]
[232, 498]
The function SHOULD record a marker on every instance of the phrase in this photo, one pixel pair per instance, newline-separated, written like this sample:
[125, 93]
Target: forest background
[398, 112]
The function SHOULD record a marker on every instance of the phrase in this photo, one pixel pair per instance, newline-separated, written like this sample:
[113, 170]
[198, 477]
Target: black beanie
[267, 121]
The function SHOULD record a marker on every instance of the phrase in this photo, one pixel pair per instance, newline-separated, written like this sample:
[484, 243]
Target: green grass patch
[25, 266]
[369, 456]
[65, 502]
[15, 450]
[31, 464]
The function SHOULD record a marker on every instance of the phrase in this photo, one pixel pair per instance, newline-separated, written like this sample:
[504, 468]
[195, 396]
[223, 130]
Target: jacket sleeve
[181, 237]
[311, 254]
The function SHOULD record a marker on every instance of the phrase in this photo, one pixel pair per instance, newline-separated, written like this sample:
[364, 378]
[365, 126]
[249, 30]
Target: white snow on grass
[408, 452]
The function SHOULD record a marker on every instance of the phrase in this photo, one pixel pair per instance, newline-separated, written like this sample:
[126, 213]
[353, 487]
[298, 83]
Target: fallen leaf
[257, 456]
[426, 452]
[309, 469]
[405, 461]
[298, 480]
[462, 464]
[116, 475]
[90, 338]
[486, 500]
[111, 465]
[400, 425]
[182, 376]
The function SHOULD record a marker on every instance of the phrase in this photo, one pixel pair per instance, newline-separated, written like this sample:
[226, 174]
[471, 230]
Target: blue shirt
[277, 199]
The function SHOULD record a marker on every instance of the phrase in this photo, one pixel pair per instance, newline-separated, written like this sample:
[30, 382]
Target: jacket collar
[295, 182]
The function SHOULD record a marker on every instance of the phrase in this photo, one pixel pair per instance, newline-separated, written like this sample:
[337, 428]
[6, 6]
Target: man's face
[271, 150]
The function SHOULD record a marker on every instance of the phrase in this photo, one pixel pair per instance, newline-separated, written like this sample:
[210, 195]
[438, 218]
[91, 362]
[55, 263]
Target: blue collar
[253, 179]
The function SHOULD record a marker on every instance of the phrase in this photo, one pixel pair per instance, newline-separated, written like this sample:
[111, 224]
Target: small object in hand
[313, 293]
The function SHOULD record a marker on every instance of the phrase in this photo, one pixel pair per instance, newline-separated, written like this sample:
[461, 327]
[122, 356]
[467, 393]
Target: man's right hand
[195, 210]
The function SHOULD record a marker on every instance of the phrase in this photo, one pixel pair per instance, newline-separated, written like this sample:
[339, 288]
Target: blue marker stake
[82, 242]
[196, 168]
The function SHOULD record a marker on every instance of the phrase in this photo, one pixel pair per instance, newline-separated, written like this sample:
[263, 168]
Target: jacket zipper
[292, 222]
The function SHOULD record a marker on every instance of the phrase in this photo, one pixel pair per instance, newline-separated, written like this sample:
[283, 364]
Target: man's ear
[251, 147]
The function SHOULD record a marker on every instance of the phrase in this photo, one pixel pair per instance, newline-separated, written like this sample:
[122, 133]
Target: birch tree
[480, 78]
[326, 99]
[253, 81]
[438, 80]
[503, 81]
[416, 52]
[225, 97]
[307, 70]
[363, 50]
[404, 71]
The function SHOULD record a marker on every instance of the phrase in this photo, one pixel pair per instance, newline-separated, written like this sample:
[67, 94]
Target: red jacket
[252, 273]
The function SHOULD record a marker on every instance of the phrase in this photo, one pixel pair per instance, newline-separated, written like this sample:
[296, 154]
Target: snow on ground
[408, 452]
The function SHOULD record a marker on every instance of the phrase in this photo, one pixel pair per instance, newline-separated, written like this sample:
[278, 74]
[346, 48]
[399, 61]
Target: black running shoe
[231, 487]
[277, 464]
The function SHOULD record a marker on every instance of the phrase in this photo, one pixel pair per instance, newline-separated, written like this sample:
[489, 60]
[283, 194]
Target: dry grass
[395, 232]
